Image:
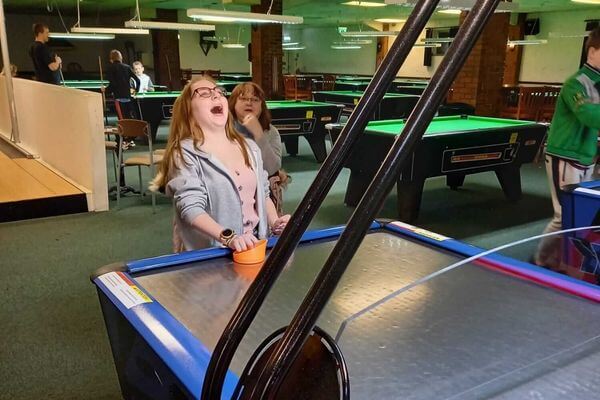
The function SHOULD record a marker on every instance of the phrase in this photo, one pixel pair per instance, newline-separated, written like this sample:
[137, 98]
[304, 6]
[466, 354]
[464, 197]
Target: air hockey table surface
[494, 328]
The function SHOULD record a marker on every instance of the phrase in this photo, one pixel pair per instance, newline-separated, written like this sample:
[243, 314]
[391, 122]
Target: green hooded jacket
[574, 130]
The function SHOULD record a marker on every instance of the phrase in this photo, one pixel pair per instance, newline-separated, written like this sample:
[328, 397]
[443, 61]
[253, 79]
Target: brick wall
[479, 83]
[267, 53]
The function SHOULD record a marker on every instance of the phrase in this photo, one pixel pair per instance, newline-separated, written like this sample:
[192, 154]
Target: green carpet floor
[54, 344]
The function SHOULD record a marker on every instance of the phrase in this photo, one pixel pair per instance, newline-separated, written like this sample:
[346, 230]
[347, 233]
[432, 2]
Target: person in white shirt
[145, 81]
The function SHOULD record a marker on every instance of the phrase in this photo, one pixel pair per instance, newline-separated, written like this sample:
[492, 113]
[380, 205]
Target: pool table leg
[291, 144]
[409, 195]
[510, 180]
[317, 145]
[454, 181]
[357, 186]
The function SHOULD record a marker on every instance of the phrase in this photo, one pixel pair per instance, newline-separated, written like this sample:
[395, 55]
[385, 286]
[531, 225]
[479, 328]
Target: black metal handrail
[308, 207]
[290, 345]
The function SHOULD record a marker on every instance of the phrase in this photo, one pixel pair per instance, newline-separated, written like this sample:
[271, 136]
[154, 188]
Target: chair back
[290, 86]
[528, 103]
[328, 82]
[530, 99]
[548, 103]
[213, 73]
[133, 128]
[186, 76]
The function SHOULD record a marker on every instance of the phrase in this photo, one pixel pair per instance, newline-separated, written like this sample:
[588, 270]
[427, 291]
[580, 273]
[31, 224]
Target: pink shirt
[245, 180]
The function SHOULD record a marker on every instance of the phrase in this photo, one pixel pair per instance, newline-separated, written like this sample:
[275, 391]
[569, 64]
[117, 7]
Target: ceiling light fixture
[290, 44]
[354, 41]
[177, 26]
[437, 40]
[206, 14]
[465, 5]
[111, 31]
[586, 1]
[430, 45]
[237, 44]
[559, 35]
[364, 4]
[83, 36]
[136, 22]
[114, 31]
[390, 20]
[294, 48]
[233, 46]
[369, 33]
[526, 42]
[452, 11]
[345, 47]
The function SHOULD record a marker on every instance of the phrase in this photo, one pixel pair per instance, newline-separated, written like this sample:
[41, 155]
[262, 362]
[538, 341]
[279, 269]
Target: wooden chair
[292, 89]
[528, 104]
[111, 146]
[304, 88]
[213, 73]
[328, 82]
[548, 104]
[186, 76]
[132, 128]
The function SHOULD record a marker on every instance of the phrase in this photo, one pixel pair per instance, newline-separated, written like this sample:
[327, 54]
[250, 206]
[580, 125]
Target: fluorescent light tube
[82, 36]
[364, 4]
[526, 42]
[168, 25]
[206, 14]
[369, 33]
[114, 31]
[345, 47]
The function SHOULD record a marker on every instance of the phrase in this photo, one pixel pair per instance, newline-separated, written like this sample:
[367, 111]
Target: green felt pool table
[91, 85]
[156, 106]
[391, 106]
[292, 118]
[453, 146]
[304, 118]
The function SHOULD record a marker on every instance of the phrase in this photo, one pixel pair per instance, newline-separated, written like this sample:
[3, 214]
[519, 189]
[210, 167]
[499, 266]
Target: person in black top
[47, 65]
[120, 77]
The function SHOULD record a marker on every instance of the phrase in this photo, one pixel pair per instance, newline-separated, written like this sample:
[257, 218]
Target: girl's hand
[242, 242]
[253, 125]
[279, 224]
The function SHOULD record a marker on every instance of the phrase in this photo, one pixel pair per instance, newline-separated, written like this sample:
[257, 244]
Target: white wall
[227, 60]
[413, 65]
[559, 58]
[85, 52]
[318, 42]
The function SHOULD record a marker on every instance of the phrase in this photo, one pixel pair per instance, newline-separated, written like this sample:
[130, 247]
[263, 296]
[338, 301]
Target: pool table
[153, 107]
[294, 118]
[391, 106]
[156, 106]
[453, 146]
[91, 85]
[492, 326]
[399, 85]
[236, 77]
[407, 89]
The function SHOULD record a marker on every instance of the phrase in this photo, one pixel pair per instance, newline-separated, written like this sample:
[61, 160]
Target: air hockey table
[581, 208]
[493, 328]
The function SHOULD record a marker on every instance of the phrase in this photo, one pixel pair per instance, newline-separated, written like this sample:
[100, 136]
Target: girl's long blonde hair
[183, 126]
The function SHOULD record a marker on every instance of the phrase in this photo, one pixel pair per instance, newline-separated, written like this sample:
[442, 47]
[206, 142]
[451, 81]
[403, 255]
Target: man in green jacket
[572, 142]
